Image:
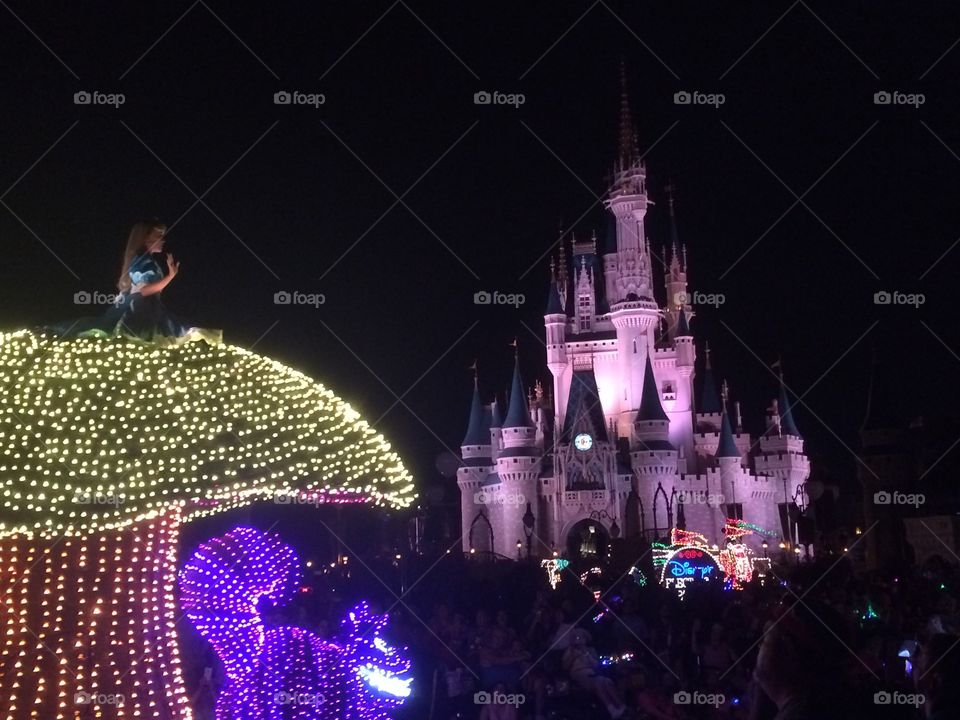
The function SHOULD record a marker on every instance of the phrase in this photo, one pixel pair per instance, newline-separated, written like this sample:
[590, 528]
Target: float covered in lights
[99, 432]
[107, 445]
[285, 672]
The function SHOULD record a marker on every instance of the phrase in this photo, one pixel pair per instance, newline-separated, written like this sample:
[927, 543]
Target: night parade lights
[690, 559]
[107, 445]
[285, 672]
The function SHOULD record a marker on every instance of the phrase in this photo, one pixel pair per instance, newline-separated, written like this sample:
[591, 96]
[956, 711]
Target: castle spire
[477, 434]
[628, 153]
[709, 402]
[518, 414]
[650, 407]
[683, 327]
[726, 447]
[787, 425]
[674, 235]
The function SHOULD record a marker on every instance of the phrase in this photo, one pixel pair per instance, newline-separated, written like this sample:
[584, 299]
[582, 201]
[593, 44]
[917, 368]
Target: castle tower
[682, 412]
[675, 276]
[708, 401]
[654, 459]
[518, 467]
[730, 496]
[584, 285]
[555, 322]
[477, 514]
[783, 461]
[633, 310]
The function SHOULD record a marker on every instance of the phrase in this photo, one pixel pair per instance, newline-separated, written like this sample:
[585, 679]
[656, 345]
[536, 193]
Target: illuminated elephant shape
[285, 673]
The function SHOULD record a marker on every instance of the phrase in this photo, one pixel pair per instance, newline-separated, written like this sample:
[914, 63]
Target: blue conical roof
[476, 433]
[554, 303]
[709, 400]
[583, 407]
[787, 425]
[517, 413]
[727, 447]
[683, 328]
[650, 407]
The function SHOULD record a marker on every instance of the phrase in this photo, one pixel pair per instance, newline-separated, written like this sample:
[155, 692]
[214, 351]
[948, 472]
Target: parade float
[108, 445]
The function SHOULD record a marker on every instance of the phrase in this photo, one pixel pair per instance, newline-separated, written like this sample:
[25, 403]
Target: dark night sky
[399, 96]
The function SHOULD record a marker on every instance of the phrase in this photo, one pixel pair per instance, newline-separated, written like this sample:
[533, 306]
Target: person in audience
[581, 662]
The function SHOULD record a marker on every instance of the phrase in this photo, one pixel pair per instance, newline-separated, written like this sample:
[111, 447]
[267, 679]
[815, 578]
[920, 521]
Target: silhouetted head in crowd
[802, 661]
[937, 675]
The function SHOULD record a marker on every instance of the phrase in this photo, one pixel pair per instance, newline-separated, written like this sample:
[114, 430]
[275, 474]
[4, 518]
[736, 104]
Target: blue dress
[137, 315]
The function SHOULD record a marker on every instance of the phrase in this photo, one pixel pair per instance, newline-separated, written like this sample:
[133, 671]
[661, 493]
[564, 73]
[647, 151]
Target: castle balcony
[584, 497]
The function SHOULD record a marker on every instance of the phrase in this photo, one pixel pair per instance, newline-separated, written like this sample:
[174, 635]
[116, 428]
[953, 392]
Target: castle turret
[782, 460]
[555, 322]
[653, 458]
[518, 467]
[675, 276]
[476, 468]
[708, 402]
[729, 469]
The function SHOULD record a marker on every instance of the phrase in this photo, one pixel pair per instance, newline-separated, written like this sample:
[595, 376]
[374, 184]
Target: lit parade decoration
[285, 672]
[554, 567]
[106, 446]
[689, 558]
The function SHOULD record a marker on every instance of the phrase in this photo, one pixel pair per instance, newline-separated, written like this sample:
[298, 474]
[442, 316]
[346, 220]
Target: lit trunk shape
[89, 625]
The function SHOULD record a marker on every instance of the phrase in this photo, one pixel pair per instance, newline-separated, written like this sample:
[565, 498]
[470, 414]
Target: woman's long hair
[136, 245]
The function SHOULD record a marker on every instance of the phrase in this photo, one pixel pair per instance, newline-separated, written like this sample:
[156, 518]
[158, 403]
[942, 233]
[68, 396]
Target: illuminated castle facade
[635, 438]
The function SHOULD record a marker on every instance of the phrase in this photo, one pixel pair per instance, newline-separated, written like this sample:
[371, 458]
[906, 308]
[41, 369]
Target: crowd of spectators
[800, 646]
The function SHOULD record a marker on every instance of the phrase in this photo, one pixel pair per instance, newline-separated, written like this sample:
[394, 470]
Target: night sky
[297, 198]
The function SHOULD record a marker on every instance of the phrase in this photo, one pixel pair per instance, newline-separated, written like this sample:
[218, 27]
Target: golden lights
[96, 433]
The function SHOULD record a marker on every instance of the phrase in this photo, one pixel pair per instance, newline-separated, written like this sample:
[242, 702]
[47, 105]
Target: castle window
[668, 391]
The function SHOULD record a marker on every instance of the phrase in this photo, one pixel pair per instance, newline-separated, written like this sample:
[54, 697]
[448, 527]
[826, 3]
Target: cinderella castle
[635, 438]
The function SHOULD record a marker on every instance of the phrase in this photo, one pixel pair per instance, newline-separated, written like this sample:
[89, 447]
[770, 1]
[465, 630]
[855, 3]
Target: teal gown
[137, 315]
